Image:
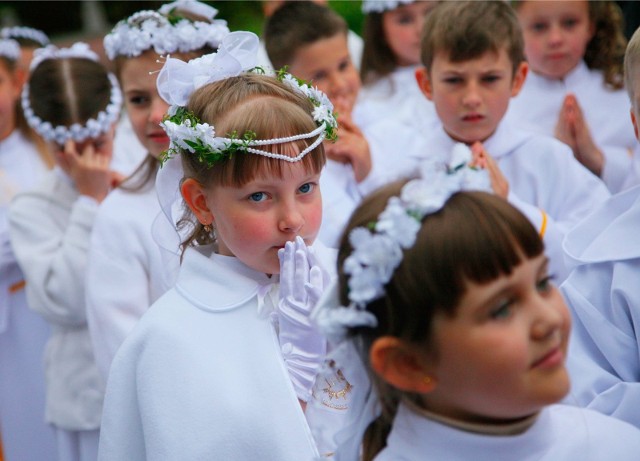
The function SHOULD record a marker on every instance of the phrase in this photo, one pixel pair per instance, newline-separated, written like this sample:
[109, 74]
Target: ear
[424, 82]
[401, 365]
[634, 120]
[518, 78]
[196, 199]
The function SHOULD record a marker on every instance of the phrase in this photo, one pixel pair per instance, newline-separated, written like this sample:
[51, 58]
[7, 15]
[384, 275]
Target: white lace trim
[25, 32]
[9, 49]
[380, 6]
[77, 50]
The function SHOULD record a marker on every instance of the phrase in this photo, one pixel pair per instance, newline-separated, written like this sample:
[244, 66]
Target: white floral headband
[380, 6]
[236, 54]
[166, 31]
[9, 49]
[25, 32]
[378, 248]
[93, 127]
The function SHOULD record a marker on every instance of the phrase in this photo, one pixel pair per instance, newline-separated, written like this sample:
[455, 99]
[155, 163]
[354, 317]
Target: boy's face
[327, 64]
[471, 97]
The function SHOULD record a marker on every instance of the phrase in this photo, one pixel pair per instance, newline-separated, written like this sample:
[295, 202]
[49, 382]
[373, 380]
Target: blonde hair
[253, 103]
[631, 64]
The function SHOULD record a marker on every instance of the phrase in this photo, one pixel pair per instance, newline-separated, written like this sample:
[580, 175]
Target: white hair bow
[178, 79]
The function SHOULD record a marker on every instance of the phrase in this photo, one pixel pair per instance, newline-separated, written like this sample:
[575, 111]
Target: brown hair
[475, 237]
[378, 59]
[468, 29]
[297, 24]
[248, 103]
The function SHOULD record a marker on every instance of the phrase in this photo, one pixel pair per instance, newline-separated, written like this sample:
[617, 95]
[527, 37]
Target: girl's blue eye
[502, 311]
[306, 188]
[258, 197]
[545, 284]
[539, 26]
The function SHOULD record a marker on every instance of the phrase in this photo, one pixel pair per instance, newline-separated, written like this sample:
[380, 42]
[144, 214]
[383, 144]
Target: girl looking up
[123, 250]
[461, 330]
[217, 366]
[73, 103]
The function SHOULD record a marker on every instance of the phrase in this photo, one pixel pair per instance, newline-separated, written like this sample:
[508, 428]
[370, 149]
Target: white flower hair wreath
[165, 31]
[237, 54]
[9, 49]
[380, 6]
[93, 127]
[25, 32]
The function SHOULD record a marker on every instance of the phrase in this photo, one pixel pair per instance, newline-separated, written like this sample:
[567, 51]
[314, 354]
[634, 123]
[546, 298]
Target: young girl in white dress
[123, 250]
[453, 315]
[392, 32]
[221, 366]
[574, 90]
[73, 103]
[23, 333]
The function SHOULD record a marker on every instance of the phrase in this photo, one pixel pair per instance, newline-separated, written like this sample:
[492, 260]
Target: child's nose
[291, 220]
[549, 318]
[471, 96]
[556, 34]
[158, 110]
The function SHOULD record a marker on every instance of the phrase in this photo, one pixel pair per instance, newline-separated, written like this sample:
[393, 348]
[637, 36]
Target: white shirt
[560, 433]
[50, 228]
[202, 377]
[126, 271]
[543, 176]
[603, 293]
[606, 111]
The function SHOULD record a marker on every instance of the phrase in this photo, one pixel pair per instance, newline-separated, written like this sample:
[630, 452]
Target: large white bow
[177, 79]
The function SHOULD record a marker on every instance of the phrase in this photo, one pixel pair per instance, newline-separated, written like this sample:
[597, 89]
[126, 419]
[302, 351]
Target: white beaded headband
[9, 49]
[93, 127]
[25, 32]
[166, 31]
[236, 54]
[380, 6]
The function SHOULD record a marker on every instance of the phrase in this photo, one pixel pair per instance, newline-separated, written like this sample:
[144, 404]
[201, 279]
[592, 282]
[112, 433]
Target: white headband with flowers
[9, 49]
[93, 127]
[166, 31]
[380, 6]
[236, 54]
[25, 32]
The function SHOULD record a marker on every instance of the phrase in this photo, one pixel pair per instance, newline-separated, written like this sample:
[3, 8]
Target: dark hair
[475, 237]
[298, 24]
[248, 103]
[468, 29]
[378, 59]
[70, 90]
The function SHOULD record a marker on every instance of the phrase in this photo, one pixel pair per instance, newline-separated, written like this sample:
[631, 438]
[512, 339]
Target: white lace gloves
[302, 281]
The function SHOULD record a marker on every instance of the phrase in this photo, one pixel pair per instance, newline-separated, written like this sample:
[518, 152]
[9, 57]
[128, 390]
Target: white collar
[218, 283]
[571, 80]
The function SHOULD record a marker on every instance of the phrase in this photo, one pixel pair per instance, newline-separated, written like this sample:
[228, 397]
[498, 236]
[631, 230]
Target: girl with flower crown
[123, 250]
[454, 318]
[223, 364]
[22, 332]
[73, 103]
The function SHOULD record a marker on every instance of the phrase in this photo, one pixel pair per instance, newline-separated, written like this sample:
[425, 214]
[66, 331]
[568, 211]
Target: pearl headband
[9, 49]
[25, 32]
[93, 127]
[237, 54]
[165, 31]
[380, 6]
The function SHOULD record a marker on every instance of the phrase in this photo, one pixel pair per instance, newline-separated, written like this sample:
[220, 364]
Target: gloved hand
[302, 281]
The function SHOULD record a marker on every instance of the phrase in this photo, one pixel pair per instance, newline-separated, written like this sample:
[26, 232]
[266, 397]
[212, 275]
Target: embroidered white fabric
[25, 32]
[380, 6]
[93, 127]
[148, 29]
[9, 49]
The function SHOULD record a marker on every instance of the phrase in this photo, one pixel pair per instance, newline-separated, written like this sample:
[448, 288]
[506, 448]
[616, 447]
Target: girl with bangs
[222, 365]
[455, 332]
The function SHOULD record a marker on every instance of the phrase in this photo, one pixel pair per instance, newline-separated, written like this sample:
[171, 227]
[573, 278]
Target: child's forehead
[488, 58]
[334, 45]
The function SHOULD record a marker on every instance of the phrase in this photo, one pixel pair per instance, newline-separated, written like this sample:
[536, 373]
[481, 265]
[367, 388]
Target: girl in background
[23, 333]
[123, 249]
[73, 103]
[461, 331]
[575, 53]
